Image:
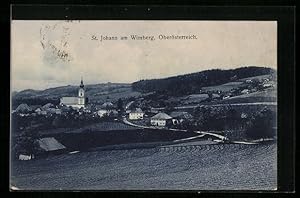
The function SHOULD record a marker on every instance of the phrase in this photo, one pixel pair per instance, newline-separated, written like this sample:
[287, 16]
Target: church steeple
[81, 83]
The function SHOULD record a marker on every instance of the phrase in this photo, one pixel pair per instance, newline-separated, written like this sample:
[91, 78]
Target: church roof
[69, 100]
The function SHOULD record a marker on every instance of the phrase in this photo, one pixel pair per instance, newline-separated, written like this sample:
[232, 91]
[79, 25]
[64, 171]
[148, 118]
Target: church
[75, 102]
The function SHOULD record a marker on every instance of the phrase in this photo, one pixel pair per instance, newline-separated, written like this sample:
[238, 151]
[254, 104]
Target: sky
[47, 54]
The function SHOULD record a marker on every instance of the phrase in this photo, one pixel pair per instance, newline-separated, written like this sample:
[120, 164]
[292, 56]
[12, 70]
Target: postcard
[143, 105]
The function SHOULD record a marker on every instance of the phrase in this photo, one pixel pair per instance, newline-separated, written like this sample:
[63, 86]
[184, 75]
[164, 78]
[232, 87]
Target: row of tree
[261, 124]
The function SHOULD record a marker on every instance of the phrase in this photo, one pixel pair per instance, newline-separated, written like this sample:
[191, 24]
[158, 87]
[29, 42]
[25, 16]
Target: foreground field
[172, 167]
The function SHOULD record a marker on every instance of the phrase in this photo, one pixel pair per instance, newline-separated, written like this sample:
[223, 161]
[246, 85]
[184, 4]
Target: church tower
[81, 100]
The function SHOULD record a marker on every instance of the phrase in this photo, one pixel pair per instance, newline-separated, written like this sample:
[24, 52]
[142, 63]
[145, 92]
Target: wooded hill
[192, 83]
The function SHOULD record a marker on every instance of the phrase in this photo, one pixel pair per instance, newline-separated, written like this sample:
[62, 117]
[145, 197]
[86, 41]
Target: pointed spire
[81, 83]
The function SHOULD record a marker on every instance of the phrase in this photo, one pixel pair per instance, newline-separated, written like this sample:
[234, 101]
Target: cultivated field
[268, 95]
[101, 126]
[224, 87]
[174, 167]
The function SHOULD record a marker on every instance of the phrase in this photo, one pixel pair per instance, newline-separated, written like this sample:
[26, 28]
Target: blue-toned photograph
[143, 105]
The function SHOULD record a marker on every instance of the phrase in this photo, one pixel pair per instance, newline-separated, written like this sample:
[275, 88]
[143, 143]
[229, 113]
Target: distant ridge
[192, 83]
[111, 92]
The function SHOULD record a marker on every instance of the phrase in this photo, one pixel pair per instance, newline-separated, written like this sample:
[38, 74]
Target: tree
[26, 143]
[261, 125]
[120, 105]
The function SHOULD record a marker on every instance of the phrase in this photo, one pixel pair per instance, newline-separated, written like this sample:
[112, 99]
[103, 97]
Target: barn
[50, 145]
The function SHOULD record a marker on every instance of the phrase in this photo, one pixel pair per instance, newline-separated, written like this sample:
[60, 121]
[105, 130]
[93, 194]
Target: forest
[192, 83]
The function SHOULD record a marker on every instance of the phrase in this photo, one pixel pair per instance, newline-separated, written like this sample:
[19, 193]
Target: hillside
[193, 83]
[192, 167]
[96, 93]
[192, 88]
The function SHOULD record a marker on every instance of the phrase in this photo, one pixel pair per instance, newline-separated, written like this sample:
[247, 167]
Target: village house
[106, 109]
[225, 97]
[161, 119]
[136, 114]
[267, 85]
[245, 91]
[23, 108]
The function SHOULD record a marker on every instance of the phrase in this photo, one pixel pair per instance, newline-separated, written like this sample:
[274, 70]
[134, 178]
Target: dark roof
[47, 106]
[137, 110]
[23, 108]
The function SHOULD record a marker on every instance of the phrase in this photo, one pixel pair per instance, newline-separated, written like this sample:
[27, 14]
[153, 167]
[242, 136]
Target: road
[203, 133]
[219, 105]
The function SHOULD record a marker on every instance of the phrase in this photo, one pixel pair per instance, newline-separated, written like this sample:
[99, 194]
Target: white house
[26, 157]
[245, 91]
[102, 112]
[137, 114]
[160, 119]
[266, 85]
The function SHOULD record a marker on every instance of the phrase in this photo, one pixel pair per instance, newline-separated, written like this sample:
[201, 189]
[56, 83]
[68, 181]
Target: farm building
[180, 116]
[50, 144]
[136, 114]
[161, 119]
